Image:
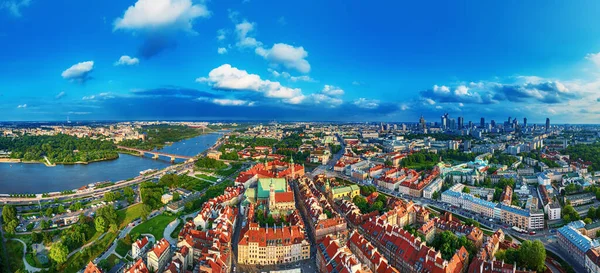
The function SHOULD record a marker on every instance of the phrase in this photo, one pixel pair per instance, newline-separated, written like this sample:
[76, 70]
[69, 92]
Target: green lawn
[122, 248]
[127, 215]
[154, 226]
[204, 176]
[113, 260]
[228, 172]
[15, 255]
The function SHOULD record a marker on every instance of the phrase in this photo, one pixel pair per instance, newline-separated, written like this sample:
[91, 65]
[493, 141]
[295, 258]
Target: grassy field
[127, 215]
[228, 172]
[210, 178]
[113, 260]
[154, 226]
[122, 248]
[15, 255]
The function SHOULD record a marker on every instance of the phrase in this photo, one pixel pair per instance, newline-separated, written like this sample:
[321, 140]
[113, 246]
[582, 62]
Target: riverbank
[35, 178]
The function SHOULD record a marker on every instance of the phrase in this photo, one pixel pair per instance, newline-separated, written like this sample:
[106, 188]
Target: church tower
[271, 196]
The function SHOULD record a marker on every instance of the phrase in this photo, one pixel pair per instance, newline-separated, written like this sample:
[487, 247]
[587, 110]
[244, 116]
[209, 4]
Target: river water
[37, 178]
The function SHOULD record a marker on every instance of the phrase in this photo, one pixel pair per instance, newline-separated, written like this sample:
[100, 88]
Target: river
[37, 178]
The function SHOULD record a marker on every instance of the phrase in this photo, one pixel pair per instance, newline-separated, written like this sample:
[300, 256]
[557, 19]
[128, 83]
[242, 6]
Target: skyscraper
[444, 121]
[461, 123]
[493, 123]
[482, 123]
[524, 122]
[470, 124]
[547, 124]
[422, 122]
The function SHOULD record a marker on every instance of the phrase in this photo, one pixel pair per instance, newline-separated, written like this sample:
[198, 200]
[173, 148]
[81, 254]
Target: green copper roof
[264, 186]
[344, 189]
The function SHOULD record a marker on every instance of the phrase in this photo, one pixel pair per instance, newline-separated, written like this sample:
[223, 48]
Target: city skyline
[201, 60]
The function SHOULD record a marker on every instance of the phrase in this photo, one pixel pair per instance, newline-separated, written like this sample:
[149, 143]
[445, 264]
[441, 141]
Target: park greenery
[569, 214]
[206, 163]
[9, 218]
[586, 153]
[61, 149]
[447, 243]
[363, 205]
[151, 194]
[530, 255]
[159, 135]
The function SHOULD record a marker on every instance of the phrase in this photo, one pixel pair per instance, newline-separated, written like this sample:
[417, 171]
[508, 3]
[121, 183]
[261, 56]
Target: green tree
[532, 255]
[176, 196]
[587, 221]
[591, 213]
[109, 197]
[58, 253]
[11, 226]
[49, 212]
[9, 213]
[146, 210]
[466, 190]
[61, 209]
[36, 237]
[101, 224]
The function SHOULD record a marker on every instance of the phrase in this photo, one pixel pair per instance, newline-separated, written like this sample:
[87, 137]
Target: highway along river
[37, 178]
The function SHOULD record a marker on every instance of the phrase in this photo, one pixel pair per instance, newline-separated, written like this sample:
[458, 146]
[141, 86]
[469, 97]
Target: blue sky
[299, 60]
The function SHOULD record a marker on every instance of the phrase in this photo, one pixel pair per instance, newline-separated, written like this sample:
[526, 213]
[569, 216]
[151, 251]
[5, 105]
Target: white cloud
[60, 95]
[161, 14]
[461, 90]
[286, 75]
[242, 31]
[126, 60]
[429, 101]
[594, 57]
[366, 103]
[22, 106]
[332, 90]
[104, 95]
[441, 89]
[222, 50]
[320, 98]
[14, 7]
[287, 55]
[357, 83]
[79, 71]
[404, 107]
[231, 102]
[221, 34]
[226, 77]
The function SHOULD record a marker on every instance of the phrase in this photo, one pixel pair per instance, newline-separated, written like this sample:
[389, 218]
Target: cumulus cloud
[243, 32]
[158, 20]
[286, 75]
[332, 90]
[79, 72]
[221, 50]
[232, 102]
[366, 103]
[161, 15]
[287, 55]
[226, 77]
[14, 7]
[320, 98]
[22, 106]
[60, 95]
[594, 57]
[126, 60]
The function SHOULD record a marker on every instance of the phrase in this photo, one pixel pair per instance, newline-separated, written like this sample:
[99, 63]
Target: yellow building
[346, 192]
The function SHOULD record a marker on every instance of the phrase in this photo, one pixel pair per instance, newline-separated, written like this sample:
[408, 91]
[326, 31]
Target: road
[169, 229]
[28, 267]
